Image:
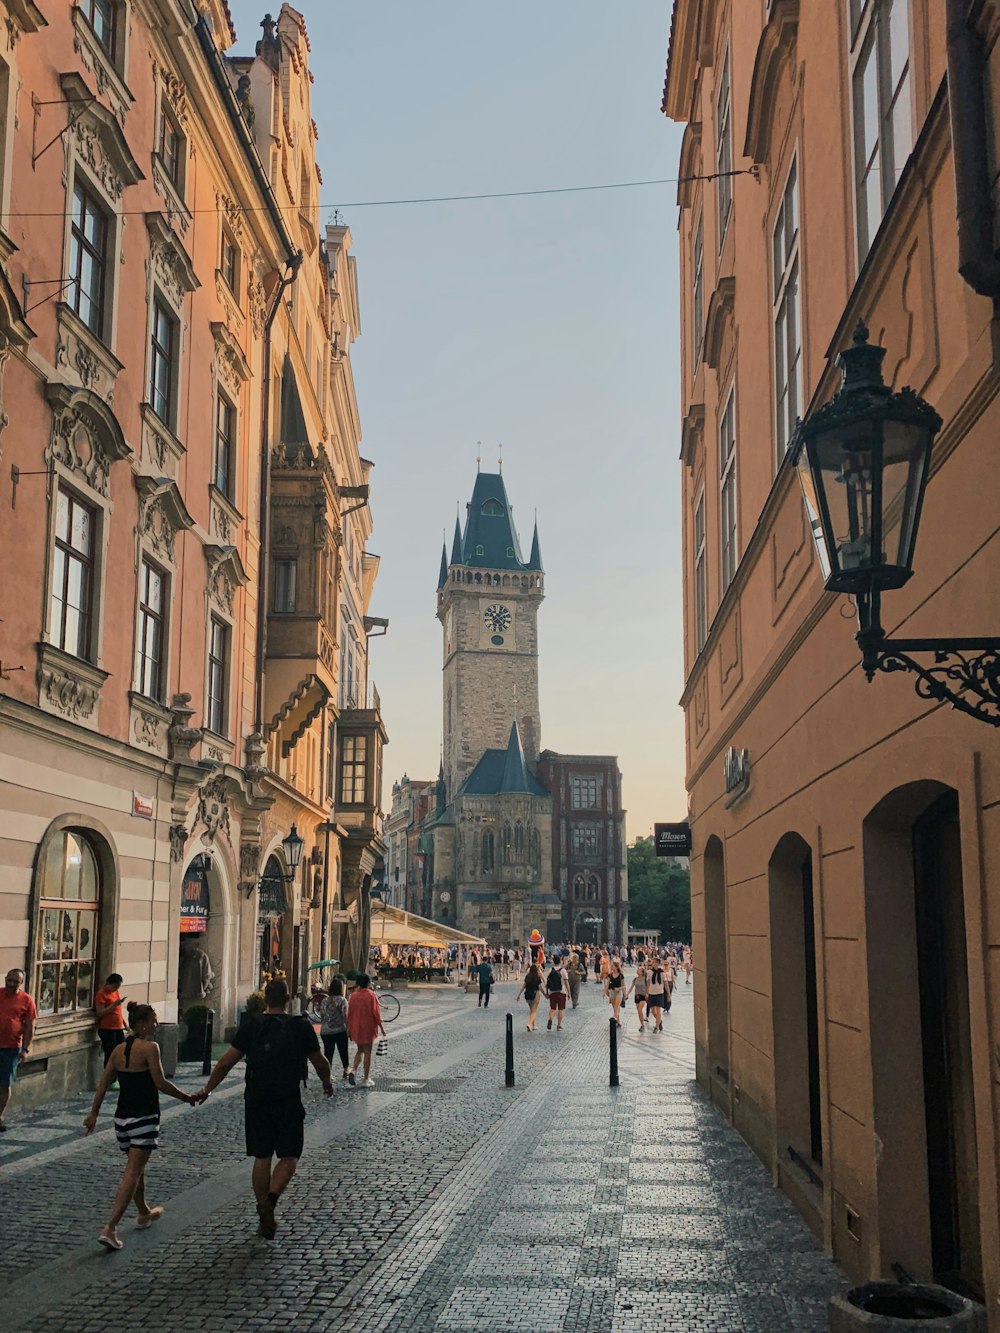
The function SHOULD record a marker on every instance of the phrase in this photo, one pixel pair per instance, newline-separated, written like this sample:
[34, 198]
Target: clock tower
[487, 601]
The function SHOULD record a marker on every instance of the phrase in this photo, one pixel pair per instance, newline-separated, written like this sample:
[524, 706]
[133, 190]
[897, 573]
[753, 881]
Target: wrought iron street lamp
[863, 461]
[293, 845]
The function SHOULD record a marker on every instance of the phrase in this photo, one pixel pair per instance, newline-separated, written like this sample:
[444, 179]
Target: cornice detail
[86, 437]
[721, 308]
[775, 49]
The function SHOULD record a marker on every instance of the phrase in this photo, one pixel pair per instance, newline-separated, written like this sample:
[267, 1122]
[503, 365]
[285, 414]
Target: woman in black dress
[136, 1065]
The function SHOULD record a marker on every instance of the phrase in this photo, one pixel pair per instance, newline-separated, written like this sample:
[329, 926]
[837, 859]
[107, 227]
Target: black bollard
[206, 1059]
[614, 1054]
[508, 1073]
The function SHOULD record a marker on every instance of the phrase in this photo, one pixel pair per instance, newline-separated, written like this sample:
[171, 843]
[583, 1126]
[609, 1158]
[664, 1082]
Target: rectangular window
[230, 263]
[787, 316]
[225, 445]
[285, 572]
[331, 760]
[353, 770]
[585, 840]
[727, 490]
[73, 575]
[724, 148]
[101, 15]
[88, 257]
[698, 295]
[584, 792]
[162, 362]
[218, 677]
[171, 147]
[151, 635]
[883, 116]
[700, 576]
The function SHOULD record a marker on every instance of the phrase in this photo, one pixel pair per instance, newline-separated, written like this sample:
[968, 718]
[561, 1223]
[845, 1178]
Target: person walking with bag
[276, 1045]
[556, 987]
[364, 1023]
[333, 1024]
[137, 1067]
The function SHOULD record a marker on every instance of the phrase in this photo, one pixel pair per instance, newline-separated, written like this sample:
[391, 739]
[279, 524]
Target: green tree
[659, 893]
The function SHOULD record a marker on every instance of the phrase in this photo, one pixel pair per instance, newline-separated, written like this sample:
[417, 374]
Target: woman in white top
[655, 980]
[638, 989]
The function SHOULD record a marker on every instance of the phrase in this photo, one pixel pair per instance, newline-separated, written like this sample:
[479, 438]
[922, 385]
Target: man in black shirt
[277, 1046]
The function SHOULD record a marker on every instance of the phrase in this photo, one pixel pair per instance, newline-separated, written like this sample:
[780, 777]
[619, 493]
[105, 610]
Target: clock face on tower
[496, 618]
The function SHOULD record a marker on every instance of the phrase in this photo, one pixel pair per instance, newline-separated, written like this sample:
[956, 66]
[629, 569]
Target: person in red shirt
[108, 1007]
[17, 1027]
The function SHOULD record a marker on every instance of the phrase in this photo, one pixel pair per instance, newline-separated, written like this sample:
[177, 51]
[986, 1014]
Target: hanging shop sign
[737, 771]
[194, 900]
[672, 839]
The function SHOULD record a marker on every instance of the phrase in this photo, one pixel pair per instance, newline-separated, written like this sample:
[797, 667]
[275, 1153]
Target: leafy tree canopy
[659, 893]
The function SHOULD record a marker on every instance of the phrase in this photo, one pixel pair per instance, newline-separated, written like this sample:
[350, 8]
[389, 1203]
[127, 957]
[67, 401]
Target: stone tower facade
[488, 600]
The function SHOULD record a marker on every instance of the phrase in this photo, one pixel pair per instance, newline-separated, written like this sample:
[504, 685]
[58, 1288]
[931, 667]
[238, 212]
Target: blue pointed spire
[443, 575]
[456, 545]
[535, 560]
[515, 773]
[490, 540]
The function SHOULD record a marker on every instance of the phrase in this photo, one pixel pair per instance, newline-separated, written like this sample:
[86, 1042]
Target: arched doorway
[588, 927]
[272, 947]
[716, 972]
[922, 1067]
[794, 1006]
[196, 972]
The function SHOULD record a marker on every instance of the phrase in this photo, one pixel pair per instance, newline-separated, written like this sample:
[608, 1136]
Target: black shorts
[275, 1128]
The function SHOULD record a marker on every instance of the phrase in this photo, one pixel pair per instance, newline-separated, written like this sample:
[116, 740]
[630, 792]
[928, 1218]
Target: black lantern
[863, 460]
[293, 845]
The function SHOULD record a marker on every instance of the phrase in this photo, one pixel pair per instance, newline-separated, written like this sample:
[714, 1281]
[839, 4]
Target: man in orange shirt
[17, 1027]
[108, 1007]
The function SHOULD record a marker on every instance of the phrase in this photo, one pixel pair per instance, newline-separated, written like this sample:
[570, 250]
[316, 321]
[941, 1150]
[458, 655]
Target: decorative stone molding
[168, 261]
[254, 748]
[229, 302]
[174, 90]
[86, 437]
[690, 163]
[692, 433]
[224, 518]
[68, 686]
[23, 16]
[232, 212]
[96, 138]
[80, 353]
[231, 365]
[775, 53]
[161, 449]
[213, 809]
[215, 749]
[149, 723]
[257, 302]
[177, 209]
[162, 514]
[181, 737]
[719, 322]
[178, 841]
[249, 865]
[225, 574]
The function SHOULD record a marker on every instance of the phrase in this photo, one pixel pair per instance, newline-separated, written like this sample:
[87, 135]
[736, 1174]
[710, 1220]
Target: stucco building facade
[176, 335]
[846, 835]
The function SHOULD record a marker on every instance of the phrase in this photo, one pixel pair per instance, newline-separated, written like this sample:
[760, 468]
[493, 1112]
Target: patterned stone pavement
[439, 1201]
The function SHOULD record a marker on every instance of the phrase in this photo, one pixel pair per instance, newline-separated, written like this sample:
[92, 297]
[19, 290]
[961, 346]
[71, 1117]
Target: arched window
[506, 842]
[536, 849]
[518, 839]
[593, 888]
[66, 936]
[489, 852]
[492, 508]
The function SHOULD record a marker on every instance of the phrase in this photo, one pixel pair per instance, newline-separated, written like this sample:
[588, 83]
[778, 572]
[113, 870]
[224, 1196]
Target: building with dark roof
[493, 864]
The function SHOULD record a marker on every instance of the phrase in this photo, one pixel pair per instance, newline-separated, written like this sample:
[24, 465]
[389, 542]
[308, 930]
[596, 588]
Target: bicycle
[387, 1002]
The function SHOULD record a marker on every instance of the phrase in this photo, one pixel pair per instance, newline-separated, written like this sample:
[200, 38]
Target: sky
[546, 324]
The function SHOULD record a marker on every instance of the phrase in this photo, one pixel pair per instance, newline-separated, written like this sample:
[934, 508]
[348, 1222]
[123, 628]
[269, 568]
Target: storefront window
[66, 938]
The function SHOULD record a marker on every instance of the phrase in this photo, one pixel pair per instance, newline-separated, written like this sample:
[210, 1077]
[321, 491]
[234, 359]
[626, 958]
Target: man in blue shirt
[485, 973]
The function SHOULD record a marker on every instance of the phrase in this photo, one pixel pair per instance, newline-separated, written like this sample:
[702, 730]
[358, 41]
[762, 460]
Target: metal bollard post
[508, 1073]
[206, 1061]
[614, 1054]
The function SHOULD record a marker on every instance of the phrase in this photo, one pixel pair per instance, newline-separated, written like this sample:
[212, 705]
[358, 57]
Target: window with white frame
[229, 263]
[727, 490]
[74, 575]
[217, 709]
[700, 575]
[724, 148]
[88, 259]
[163, 360]
[225, 445]
[698, 294]
[353, 769]
[786, 294]
[151, 631]
[67, 925]
[883, 114]
[172, 147]
[102, 17]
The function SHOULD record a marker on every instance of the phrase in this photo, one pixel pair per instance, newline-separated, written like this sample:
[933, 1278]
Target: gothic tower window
[518, 839]
[489, 852]
[506, 842]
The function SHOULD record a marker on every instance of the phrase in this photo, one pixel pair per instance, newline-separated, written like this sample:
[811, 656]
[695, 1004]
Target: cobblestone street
[439, 1200]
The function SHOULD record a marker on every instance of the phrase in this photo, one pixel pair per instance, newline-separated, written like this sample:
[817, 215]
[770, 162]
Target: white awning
[391, 925]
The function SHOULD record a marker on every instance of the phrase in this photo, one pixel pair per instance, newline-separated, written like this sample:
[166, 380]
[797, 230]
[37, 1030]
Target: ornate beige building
[184, 558]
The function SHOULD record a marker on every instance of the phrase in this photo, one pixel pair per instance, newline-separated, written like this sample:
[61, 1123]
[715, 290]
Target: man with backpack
[276, 1045]
[556, 988]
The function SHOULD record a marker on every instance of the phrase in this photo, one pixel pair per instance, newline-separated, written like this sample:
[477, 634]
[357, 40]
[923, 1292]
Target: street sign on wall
[672, 839]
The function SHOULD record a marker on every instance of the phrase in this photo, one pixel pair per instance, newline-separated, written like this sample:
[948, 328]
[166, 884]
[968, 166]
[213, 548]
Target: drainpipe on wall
[977, 259]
